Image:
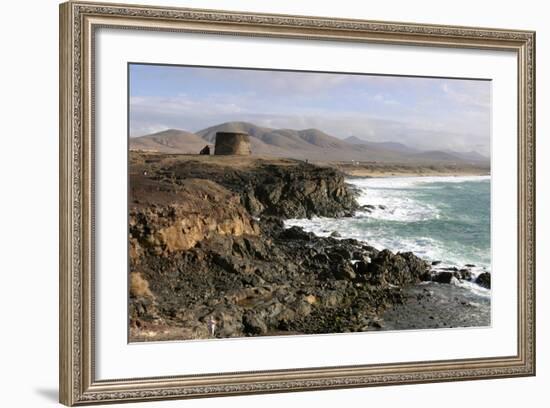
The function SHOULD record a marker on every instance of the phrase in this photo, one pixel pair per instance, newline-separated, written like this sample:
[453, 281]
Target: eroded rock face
[299, 190]
[213, 269]
[190, 214]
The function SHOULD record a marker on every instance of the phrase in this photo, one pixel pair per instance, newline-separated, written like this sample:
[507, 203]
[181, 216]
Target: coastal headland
[210, 256]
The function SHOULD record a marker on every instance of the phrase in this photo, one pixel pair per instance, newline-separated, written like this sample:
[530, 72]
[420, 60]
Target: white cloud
[463, 93]
[424, 113]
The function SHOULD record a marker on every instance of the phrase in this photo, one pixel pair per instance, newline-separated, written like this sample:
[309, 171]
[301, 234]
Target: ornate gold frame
[78, 21]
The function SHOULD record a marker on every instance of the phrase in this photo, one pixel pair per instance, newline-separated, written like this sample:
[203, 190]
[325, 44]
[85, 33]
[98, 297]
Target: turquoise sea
[445, 219]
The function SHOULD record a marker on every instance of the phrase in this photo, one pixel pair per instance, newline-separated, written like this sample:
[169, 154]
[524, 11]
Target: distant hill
[354, 140]
[286, 139]
[452, 156]
[436, 155]
[273, 147]
[301, 144]
[312, 144]
[470, 156]
[169, 141]
[389, 146]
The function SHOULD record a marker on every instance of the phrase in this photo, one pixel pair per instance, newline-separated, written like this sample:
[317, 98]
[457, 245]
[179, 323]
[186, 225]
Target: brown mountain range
[311, 144]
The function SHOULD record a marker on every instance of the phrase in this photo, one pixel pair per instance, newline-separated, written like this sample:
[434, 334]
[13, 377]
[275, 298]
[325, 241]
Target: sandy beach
[380, 169]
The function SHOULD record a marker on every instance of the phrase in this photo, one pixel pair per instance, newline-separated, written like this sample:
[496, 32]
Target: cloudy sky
[427, 113]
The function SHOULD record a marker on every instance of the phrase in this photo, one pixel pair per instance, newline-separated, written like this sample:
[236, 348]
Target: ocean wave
[398, 199]
[395, 206]
[389, 201]
[428, 216]
[411, 182]
[473, 287]
[425, 247]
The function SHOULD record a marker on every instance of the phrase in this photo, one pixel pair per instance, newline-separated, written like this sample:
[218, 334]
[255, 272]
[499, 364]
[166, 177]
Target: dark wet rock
[399, 269]
[484, 280]
[427, 276]
[340, 252]
[357, 255]
[382, 207]
[465, 274]
[434, 263]
[335, 234]
[443, 277]
[469, 266]
[361, 268]
[296, 233]
[370, 250]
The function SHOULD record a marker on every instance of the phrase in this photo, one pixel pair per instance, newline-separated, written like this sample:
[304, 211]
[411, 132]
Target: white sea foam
[404, 182]
[475, 288]
[396, 201]
[393, 200]
[425, 247]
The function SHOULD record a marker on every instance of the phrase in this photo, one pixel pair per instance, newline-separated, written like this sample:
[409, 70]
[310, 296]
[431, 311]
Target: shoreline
[466, 270]
[193, 261]
[460, 275]
[436, 306]
[360, 174]
[382, 169]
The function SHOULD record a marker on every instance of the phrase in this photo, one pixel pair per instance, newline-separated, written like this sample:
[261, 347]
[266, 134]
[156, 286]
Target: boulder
[396, 269]
[465, 274]
[443, 277]
[484, 280]
[295, 233]
[362, 268]
[344, 270]
[426, 276]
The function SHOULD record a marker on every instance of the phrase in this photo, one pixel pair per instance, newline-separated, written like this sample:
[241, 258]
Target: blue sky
[427, 113]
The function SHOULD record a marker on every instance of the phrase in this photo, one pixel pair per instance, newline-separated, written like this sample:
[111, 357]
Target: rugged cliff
[283, 188]
[208, 245]
[177, 218]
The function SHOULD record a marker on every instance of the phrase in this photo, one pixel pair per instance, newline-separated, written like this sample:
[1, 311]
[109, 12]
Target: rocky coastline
[210, 256]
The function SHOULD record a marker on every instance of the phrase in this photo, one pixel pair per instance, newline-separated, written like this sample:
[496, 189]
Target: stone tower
[236, 143]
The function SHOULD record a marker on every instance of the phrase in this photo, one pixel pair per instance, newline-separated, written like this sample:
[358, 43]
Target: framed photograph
[256, 203]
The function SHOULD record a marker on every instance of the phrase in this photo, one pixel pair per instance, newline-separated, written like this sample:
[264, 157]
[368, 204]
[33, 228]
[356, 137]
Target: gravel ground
[435, 305]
